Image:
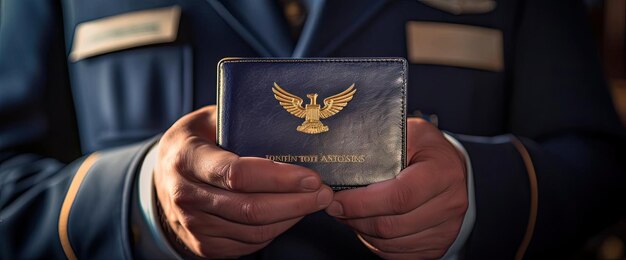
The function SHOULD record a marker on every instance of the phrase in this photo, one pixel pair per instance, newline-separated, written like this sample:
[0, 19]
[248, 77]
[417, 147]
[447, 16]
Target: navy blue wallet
[343, 117]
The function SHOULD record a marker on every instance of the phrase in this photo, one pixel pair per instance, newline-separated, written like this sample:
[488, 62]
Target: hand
[221, 205]
[418, 214]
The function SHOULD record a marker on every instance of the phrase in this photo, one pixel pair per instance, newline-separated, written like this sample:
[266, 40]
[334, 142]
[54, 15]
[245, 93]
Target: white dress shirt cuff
[147, 203]
[455, 251]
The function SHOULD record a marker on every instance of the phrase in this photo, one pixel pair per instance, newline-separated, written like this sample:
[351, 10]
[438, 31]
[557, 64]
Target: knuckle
[174, 133]
[458, 202]
[179, 195]
[462, 206]
[230, 178]
[261, 234]
[384, 245]
[252, 213]
[384, 227]
[182, 162]
[183, 157]
[418, 123]
[400, 200]
[186, 221]
[205, 250]
[192, 141]
[194, 243]
[176, 227]
[225, 175]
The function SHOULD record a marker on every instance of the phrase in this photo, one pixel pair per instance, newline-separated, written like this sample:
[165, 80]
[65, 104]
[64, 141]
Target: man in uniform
[531, 164]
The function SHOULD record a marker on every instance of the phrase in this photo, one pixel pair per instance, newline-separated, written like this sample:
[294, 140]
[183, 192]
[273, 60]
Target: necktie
[295, 14]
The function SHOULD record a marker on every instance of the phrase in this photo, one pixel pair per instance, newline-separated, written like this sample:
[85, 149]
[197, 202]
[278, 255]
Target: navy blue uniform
[550, 93]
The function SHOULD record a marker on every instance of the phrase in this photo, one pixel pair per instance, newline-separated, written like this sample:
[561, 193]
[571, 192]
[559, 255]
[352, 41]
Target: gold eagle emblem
[313, 112]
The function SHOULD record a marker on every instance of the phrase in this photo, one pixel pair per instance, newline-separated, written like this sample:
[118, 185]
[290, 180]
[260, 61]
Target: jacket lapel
[258, 22]
[332, 22]
[328, 25]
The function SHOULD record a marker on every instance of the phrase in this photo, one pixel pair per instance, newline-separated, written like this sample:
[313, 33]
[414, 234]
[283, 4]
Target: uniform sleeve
[53, 204]
[558, 177]
[29, 208]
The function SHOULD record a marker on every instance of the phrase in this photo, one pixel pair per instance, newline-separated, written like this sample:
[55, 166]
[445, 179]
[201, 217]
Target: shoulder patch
[125, 31]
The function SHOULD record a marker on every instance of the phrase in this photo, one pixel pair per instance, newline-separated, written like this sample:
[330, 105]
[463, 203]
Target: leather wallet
[343, 117]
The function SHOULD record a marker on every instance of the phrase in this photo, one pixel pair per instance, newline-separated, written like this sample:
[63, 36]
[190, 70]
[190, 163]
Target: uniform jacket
[56, 111]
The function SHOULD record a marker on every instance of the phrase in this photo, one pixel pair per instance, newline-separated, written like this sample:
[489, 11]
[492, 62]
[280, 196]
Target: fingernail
[324, 197]
[310, 183]
[335, 209]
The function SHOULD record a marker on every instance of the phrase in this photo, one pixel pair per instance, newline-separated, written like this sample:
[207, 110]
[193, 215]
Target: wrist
[154, 234]
[170, 235]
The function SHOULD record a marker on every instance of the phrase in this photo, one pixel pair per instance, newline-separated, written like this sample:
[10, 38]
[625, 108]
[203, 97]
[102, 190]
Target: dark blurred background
[608, 21]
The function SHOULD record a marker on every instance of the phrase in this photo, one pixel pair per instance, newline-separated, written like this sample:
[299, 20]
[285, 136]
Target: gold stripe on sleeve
[534, 197]
[69, 200]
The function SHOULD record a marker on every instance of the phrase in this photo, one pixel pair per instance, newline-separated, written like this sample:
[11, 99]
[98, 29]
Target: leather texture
[253, 123]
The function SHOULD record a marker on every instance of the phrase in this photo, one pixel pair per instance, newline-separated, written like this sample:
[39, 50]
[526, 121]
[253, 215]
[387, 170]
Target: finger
[430, 214]
[424, 254]
[439, 237]
[414, 186]
[256, 208]
[214, 226]
[418, 132]
[217, 247]
[249, 174]
[212, 111]
[201, 122]
[222, 169]
[426, 142]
